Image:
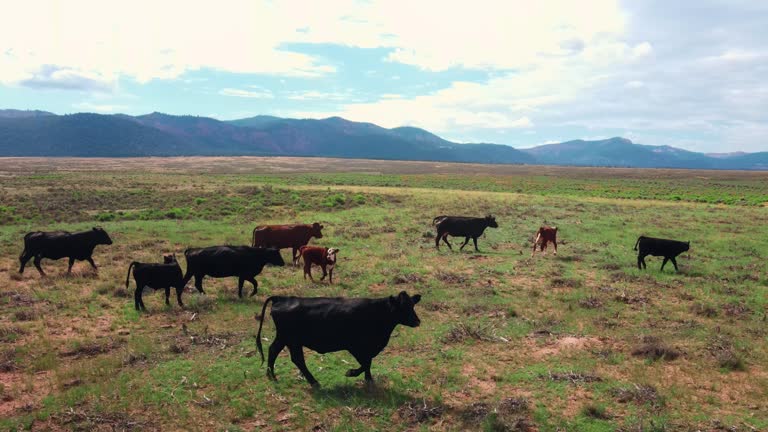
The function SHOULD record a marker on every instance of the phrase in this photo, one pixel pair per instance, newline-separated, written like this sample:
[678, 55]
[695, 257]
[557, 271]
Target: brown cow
[323, 257]
[286, 236]
[544, 235]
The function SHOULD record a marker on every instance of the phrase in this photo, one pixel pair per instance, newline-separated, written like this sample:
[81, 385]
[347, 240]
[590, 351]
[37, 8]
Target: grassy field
[581, 341]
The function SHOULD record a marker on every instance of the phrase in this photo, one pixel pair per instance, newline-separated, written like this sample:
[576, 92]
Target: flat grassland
[578, 341]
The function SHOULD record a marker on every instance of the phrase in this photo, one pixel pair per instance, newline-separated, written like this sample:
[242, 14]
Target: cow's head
[316, 230]
[101, 236]
[687, 245]
[169, 258]
[491, 221]
[331, 255]
[402, 307]
[273, 257]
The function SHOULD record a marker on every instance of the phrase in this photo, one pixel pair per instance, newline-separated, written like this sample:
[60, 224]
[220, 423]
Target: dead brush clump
[736, 310]
[723, 350]
[92, 348]
[16, 298]
[25, 315]
[11, 333]
[121, 292]
[639, 394]
[415, 412]
[212, 340]
[81, 420]
[564, 282]
[451, 278]
[437, 306]
[575, 378]
[653, 348]
[463, 331]
[407, 278]
[704, 310]
[511, 415]
[631, 299]
[8, 360]
[591, 302]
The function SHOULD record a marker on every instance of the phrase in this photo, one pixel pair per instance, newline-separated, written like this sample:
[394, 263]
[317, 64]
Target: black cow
[462, 226]
[361, 326]
[245, 262]
[59, 244]
[669, 249]
[156, 276]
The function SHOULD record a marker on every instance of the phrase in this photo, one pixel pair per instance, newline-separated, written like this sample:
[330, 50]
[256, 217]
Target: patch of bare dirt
[484, 385]
[20, 392]
[564, 345]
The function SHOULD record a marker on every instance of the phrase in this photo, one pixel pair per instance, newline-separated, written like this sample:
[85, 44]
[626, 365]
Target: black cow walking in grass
[156, 276]
[462, 226]
[60, 244]
[669, 249]
[245, 262]
[361, 326]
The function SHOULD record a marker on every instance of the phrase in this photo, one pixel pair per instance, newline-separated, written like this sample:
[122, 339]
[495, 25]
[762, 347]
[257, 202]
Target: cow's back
[332, 324]
[461, 225]
[660, 247]
[282, 236]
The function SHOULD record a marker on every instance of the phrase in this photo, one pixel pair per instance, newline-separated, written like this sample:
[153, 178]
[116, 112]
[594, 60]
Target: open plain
[578, 341]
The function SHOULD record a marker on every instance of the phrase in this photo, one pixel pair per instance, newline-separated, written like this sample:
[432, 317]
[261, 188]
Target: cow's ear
[416, 298]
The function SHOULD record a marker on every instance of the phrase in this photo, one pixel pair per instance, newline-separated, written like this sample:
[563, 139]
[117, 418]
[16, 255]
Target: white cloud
[261, 94]
[99, 108]
[318, 95]
[113, 40]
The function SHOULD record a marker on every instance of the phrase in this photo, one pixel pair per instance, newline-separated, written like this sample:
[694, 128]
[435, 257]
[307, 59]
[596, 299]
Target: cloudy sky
[692, 74]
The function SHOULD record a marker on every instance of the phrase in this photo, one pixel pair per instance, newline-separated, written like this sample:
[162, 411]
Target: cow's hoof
[315, 385]
[352, 373]
[271, 375]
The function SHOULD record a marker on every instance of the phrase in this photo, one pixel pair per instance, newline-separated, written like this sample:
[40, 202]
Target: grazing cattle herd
[361, 326]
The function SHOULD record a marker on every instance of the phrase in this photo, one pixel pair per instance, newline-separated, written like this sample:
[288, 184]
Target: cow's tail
[253, 236]
[261, 323]
[128, 276]
[437, 220]
[638, 242]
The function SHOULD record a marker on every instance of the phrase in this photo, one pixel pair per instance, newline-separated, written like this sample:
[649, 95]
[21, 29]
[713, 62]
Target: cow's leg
[295, 253]
[255, 284]
[297, 357]
[93, 264]
[438, 236]
[274, 350]
[71, 263]
[466, 240]
[554, 243]
[137, 297]
[325, 272]
[330, 275]
[445, 239]
[674, 262]
[240, 282]
[179, 290]
[308, 270]
[23, 260]
[474, 240]
[199, 283]
[365, 366]
[168, 295]
[37, 261]
[663, 263]
[639, 262]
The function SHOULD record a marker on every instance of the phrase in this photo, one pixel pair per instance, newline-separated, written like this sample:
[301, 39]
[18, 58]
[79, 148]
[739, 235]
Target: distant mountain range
[40, 133]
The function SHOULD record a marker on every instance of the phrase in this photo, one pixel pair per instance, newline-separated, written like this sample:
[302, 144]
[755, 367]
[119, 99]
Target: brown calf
[545, 235]
[323, 257]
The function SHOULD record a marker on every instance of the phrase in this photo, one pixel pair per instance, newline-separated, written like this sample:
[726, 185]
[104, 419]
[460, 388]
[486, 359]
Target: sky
[687, 73]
